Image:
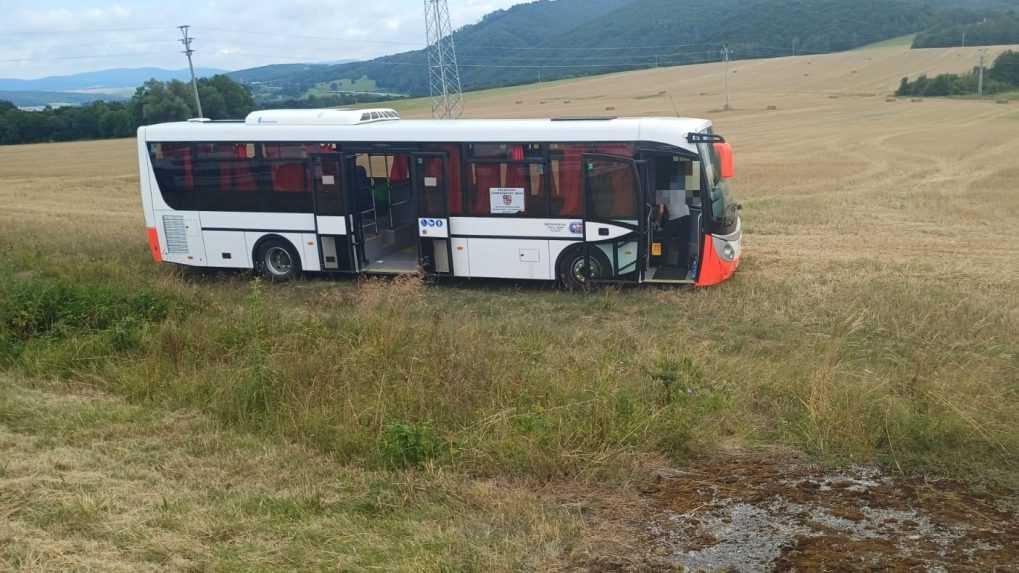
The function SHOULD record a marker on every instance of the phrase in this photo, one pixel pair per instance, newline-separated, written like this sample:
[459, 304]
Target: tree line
[971, 29]
[1001, 77]
[153, 102]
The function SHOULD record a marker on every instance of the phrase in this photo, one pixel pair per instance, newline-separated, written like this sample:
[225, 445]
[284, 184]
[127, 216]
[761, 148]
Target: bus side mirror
[728, 167]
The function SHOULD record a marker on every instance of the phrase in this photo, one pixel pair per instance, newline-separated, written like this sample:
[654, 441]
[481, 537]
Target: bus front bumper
[720, 257]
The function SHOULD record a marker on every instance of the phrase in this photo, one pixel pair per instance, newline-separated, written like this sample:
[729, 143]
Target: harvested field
[849, 399]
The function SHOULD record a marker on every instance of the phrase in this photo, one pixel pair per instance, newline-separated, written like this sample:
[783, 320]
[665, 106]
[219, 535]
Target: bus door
[615, 229]
[337, 244]
[431, 188]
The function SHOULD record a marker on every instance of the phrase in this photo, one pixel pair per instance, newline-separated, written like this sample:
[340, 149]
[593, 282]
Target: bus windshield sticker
[328, 180]
[431, 181]
[506, 200]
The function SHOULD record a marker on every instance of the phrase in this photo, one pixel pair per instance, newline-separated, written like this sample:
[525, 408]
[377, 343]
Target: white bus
[574, 200]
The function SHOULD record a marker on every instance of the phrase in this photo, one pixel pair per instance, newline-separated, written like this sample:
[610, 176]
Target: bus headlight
[727, 250]
[728, 253]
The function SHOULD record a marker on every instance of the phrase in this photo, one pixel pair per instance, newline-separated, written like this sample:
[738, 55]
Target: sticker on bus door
[435, 228]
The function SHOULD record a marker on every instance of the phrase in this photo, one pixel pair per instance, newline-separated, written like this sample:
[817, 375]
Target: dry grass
[874, 319]
[89, 482]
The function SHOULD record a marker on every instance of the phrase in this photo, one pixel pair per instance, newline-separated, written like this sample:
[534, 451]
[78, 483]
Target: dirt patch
[757, 512]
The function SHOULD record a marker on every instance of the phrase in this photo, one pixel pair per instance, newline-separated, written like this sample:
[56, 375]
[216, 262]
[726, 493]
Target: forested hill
[552, 39]
[972, 27]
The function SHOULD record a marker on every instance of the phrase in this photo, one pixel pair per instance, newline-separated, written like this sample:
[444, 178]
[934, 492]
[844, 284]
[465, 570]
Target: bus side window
[567, 182]
[613, 189]
[455, 185]
[287, 170]
[433, 197]
[175, 176]
[227, 177]
[512, 184]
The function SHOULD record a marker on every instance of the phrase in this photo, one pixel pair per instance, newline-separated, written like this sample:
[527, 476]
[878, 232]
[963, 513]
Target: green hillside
[548, 40]
[972, 27]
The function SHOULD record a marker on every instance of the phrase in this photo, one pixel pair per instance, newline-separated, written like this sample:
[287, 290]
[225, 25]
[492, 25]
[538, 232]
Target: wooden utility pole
[980, 75]
[186, 40]
[725, 57]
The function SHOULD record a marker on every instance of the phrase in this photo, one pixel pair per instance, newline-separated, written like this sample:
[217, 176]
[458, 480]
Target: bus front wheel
[573, 271]
[277, 261]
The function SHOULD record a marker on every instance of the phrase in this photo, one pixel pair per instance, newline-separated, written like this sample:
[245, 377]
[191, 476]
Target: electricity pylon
[443, 72]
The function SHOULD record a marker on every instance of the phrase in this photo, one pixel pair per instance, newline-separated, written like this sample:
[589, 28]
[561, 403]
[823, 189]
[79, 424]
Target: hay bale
[610, 108]
[1004, 101]
[519, 101]
[891, 99]
[916, 100]
[772, 108]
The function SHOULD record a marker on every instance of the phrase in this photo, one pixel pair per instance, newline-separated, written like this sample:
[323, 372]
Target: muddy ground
[768, 512]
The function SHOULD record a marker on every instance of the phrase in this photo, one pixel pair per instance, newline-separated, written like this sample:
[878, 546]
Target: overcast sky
[49, 37]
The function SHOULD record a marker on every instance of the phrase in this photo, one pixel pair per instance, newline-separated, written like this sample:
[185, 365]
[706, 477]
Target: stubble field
[154, 420]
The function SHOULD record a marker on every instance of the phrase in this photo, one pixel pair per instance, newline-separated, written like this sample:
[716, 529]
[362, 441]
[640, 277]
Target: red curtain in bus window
[517, 153]
[235, 175]
[181, 153]
[455, 183]
[516, 175]
[571, 184]
[621, 149]
[287, 177]
[434, 195]
[486, 176]
[400, 170]
[245, 178]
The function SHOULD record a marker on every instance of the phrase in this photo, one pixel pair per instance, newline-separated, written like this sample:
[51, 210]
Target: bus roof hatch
[320, 116]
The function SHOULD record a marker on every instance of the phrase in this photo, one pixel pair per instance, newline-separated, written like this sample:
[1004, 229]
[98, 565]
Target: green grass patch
[899, 41]
[500, 380]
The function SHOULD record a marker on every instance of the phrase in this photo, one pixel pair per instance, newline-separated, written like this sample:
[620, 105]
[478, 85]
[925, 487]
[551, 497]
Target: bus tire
[571, 268]
[277, 260]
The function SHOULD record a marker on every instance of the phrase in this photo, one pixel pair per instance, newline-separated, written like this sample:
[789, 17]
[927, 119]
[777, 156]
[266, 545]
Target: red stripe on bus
[713, 269]
[154, 245]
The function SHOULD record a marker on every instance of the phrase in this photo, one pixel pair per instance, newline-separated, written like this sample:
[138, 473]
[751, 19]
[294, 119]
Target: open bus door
[431, 187]
[334, 227]
[615, 227]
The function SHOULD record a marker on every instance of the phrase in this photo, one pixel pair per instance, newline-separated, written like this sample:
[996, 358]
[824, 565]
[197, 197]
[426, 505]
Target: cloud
[67, 36]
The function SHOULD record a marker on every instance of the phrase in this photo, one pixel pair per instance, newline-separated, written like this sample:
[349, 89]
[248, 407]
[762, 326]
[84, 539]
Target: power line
[80, 31]
[481, 47]
[89, 57]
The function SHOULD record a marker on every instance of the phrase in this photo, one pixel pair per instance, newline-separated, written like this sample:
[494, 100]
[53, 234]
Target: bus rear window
[242, 177]
[174, 169]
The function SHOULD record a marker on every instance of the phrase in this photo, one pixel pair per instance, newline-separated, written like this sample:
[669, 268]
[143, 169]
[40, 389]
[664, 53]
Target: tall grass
[503, 380]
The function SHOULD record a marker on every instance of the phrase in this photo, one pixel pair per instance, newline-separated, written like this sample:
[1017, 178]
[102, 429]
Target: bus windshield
[724, 211]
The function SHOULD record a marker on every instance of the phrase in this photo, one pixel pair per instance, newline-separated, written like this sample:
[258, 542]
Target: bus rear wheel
[277, 261]
[572, 269]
